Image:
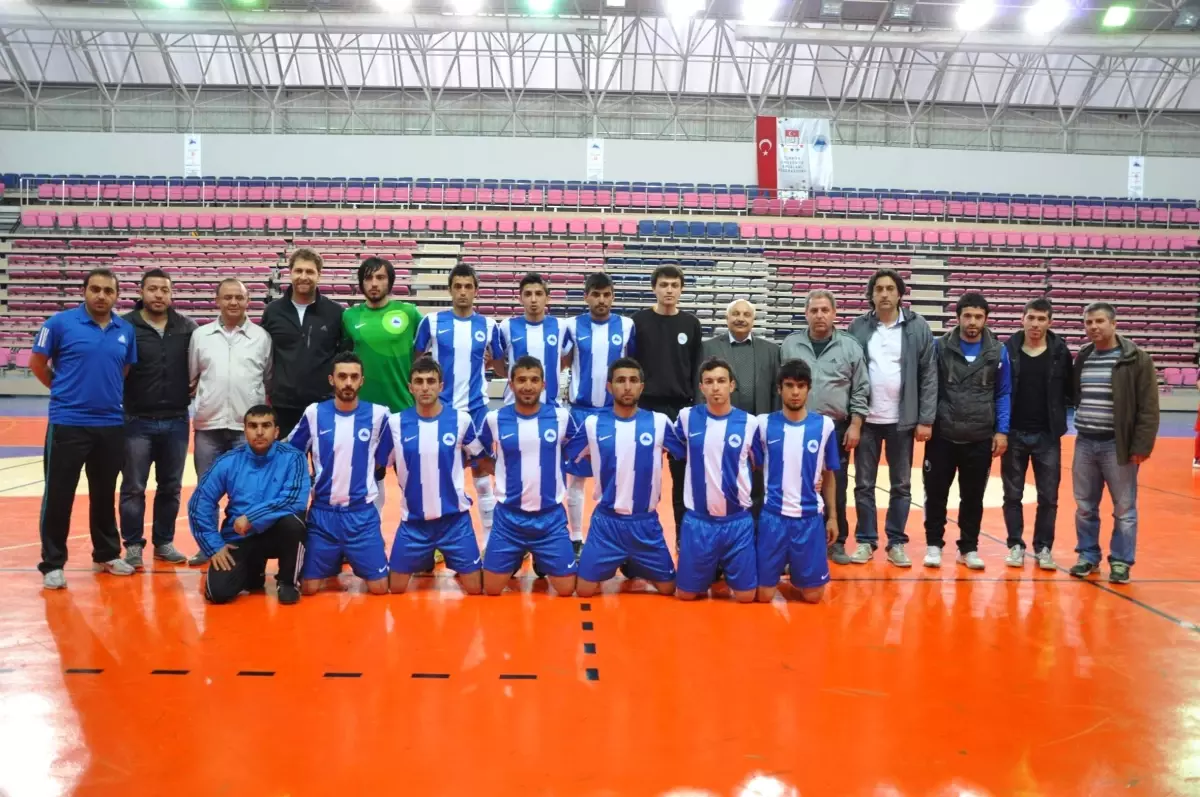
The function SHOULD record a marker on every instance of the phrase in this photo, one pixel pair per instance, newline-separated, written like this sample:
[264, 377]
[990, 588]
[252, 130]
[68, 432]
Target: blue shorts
[706, 543]
[798, 542]
[614, 539]
[582, 469]
[353, 533]
[543, 534]
[453, 535]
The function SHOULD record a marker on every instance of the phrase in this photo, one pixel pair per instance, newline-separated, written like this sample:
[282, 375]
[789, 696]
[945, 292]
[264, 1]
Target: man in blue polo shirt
[82, 355]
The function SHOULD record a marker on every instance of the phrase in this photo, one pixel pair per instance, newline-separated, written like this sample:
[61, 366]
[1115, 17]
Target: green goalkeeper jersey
[383, 339]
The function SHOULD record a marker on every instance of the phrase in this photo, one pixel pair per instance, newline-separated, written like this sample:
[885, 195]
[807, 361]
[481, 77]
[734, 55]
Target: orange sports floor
[900, 683]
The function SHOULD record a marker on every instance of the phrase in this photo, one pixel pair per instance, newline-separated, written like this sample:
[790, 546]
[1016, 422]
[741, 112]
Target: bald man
[755, 363]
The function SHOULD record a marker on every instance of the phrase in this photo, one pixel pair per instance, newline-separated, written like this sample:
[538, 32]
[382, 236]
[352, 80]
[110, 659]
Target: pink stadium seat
[506, 226]
[628, 227]
[345, 224]
[401, 223]
[120, 221]
[525, 226]
[170, 221]
[365, 224]
[912, 237]
[436, 223]
[292, 223]
[557, 227]
[454, 224]
[541, 226]
[383, 223]
[311, 224]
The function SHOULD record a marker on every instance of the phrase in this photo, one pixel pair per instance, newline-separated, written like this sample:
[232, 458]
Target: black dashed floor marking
[585, 607]
[587, 626]
[517, 676]
[83, 671]
[439, 675]
[169, 672]
[589, 647]
[257, 673]
[593, 674]
[343, 675]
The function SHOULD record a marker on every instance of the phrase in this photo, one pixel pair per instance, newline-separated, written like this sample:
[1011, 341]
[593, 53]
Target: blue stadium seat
[645, 227]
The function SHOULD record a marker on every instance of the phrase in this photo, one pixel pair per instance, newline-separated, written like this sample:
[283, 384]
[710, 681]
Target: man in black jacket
[1041, 390]
[306, 332]
[156, 420]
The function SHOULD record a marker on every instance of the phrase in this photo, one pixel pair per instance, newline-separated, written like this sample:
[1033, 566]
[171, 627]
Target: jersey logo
[812, 446]
[360, 325]
[682, 338]
[364, 434]
[776, 440]
[645, 438]
[735, 440]
[395, 322]
[550, 436]
[616, 340]
[448, 439]
[410, 439]
[480, 337]
[552, 340]
[121, 339]
[517, 340]
[506, 436]
[325, 431]
[602, 439]
[582, 338]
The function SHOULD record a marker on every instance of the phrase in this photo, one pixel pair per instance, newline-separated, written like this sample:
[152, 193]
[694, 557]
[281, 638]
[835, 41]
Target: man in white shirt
[229, 363]
[903, 401]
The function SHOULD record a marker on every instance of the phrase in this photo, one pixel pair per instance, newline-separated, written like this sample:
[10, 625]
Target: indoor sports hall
[1033, 149]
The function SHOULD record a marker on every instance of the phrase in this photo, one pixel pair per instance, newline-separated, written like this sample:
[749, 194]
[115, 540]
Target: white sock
[575, 486]
[487, 503]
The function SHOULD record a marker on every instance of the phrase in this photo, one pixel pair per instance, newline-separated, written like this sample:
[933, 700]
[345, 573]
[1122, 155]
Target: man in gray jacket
[840, 390]
[903, 376]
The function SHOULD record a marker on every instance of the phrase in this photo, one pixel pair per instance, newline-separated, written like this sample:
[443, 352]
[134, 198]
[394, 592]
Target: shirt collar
[217, 326]
[734, 341]
[86, 318]
[899, 319]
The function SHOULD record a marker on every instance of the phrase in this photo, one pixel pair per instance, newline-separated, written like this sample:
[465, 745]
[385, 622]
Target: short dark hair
[372, 264]
[462, 270]
[101, 272]
[626, 362]
[527, 362]
[425, 365]
[667, 271]
[891, 274]
[597, 281]
[259, 410]
[1040, 305]
[1101, 307]
[532, 278]
[346, 358]
[304, 253]
[712, 364]
[971, 299]
[154, 273]
[795, 370]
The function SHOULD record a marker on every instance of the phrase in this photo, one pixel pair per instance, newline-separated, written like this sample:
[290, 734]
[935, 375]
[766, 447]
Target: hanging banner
[595, 159]
[1137, 176]
[765, 128]
[191, 155]
[805, 157]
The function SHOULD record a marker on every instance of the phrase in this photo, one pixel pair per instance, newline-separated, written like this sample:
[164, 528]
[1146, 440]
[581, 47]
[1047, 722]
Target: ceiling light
[1045, 15]
[831, 10]
[393, 6]
[467, 7]
[541, 6]
[1116, 16]
[902, 11]
[173, 3]
[974, 14]
[683, 9]
[614, 3]
[757, 12]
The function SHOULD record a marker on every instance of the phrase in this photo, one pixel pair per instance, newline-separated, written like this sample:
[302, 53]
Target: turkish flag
[765, 144]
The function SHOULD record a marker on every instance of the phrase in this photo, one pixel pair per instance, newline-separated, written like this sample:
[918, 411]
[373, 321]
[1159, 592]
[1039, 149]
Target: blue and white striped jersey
[344, 449]
[528, 450]
[545, 341]
[459, 346]
[717, 481]
[795, 456]
[596, 347]
[428, 456]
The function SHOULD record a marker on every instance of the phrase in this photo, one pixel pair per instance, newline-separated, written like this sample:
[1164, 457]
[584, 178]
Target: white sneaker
[1196, 463]
[933, 556]
[55, 579]
[116, 567]
[971, 560]
[1045, 560]
[862, 554]
[1016, 557]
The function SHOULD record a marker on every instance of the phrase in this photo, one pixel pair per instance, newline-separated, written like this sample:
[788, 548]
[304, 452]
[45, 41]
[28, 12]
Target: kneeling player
[427, 443]
[526, 440]
[718, 529]
[343, 434]
[625, 447]
[797, 523]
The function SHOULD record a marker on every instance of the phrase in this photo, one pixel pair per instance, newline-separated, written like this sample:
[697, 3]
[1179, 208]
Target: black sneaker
[1083, 569]
[627, 570]
[837, 554]
[1118, 573]
[288, 594]
[577, 546]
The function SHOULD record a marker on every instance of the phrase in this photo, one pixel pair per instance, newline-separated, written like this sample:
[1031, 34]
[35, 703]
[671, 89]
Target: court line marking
[441, 676]
[589, 647]
[592, 674]
[169, 672]
[343, 675]
[517, 676]
[82, 671]
[256, 673]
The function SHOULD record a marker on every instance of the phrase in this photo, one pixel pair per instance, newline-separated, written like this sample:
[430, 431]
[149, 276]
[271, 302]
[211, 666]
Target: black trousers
[283, 541]
[100, 452]
[841, 480]
[288, 418]
[678, 467]
[972, 462]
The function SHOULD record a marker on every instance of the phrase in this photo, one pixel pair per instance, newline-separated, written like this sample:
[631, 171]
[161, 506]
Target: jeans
[972, 462]
[212, 443]
[99, 451]
[1045, 450]
[1095, 466]
[899, 447]
[163, 443]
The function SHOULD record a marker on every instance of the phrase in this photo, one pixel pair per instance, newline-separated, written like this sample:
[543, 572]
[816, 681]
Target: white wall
[547, 158]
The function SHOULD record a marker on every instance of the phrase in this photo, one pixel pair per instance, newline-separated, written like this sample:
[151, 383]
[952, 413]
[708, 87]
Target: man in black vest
[1042, 388]
[971, 427]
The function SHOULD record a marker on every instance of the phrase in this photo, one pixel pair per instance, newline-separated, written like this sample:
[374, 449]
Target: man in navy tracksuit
[268, 486]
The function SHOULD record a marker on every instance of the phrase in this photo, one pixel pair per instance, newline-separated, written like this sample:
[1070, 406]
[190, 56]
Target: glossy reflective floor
[914, 682]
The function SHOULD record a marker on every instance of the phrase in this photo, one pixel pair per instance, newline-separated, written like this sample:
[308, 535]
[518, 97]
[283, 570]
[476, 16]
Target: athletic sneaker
[438, 558]
[933, 556]
[837, 553]
[167, 553]
[862, 554]
[133, 556]
[55, 579]
[1016, 557]
[971, 560]
[116, 567]
[1118, 573]
[1045, 560]
[1196, 463]
[198, 560]
[1083, 568]
[288, 594]
[898, 557]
